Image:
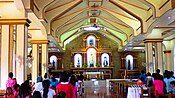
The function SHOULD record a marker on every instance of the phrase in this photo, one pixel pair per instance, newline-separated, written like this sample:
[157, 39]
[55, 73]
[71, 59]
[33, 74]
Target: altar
[98, 73]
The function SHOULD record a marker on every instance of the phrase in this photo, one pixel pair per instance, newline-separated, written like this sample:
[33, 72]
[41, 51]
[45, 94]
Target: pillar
[154, 61]
[4, 55]
[44, 63]
[8, 50]
[21, 52]
[159, 57]
[35, 62]
[149, 57]
[168, 60]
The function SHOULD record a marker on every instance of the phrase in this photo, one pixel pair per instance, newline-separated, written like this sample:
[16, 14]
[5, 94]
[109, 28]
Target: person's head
[172, 83]
[45, 75]
[16, 87]
[9, 91]
[27, 82]
[39, 74]
[46, 84]
[172, 73]
[10, 75]
[73, 80]
[36, 94]
[142, 71]
[158, 71]
[61, 95]
[52, 76]
[24, 90]
[148, 74]
[64, 77]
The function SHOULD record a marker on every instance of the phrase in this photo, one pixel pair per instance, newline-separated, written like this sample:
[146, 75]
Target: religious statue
[91, 61]
[105, 62]
[78, 63]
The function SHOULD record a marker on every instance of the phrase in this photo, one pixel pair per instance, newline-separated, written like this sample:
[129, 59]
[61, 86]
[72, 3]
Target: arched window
[78, 60]
[91, 57]
[91, 41]
[105, 60]
[129, 62]
[53, 61]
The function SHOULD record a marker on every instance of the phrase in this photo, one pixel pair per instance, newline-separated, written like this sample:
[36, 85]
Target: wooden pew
[2, 92]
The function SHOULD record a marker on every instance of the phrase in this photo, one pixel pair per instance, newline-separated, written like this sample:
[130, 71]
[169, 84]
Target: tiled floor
[96, 89]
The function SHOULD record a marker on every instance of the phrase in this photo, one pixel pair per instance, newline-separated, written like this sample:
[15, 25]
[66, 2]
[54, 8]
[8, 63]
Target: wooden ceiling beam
[129, 12]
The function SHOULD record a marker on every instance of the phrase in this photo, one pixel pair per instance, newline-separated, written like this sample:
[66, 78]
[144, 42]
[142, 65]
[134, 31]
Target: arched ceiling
[123, 20]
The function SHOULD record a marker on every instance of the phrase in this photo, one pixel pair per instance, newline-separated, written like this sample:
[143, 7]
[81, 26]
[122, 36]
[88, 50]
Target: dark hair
[61, 94]
[16, 86]
[142, 71]
[172, 82]
[64, 77]
[46, 84]
[39, 74]
[53, 77]
[36, 94]
[24, 90]
[10, 89]
[10, 74]
[148, 74]
[158, 70]
[73, 80]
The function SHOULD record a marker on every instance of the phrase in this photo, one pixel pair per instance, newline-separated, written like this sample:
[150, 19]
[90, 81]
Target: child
[172, 83]
[9, 93]
[16, 87]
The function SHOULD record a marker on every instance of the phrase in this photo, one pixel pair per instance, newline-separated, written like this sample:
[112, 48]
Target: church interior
[107, 40]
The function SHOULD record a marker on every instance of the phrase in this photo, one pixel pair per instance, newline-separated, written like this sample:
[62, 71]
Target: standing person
[38, 86]
[142, 77]
[65, 86]
[73, 81]
[45, 76]
[149, 79]
[11, 81]
[158, 85]
[47, 92]
[9, 93]
[167, 81]
[16, 92]
[53, 81]
[24, 91]
[39, 78]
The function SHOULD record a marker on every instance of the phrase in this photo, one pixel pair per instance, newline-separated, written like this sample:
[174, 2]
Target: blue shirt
[142, 77]
[167, 82]
[54, 84]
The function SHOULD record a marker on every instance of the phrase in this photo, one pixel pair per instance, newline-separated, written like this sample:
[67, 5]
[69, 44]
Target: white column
[35, 63]
[44, 59]
[149, 57]
[159, 56]
[21, 53]
[4, 56]
[168, 60]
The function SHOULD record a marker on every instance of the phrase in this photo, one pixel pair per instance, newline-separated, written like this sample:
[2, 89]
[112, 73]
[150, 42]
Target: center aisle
[96, 89]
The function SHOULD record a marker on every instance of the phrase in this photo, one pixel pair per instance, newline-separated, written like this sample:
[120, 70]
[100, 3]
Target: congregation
[64, 85]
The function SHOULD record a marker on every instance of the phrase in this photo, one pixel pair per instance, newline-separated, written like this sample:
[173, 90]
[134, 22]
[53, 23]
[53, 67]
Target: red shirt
[65, 87]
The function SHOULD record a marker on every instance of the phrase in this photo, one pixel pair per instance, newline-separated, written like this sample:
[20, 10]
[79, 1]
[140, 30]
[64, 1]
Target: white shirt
[38, 86]
[50, 94]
